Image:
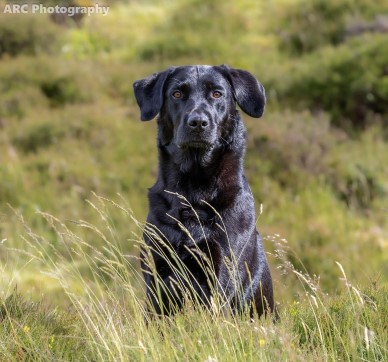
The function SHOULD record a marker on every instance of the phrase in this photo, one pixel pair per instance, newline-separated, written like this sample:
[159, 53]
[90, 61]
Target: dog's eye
[177, 94]
[216, 94]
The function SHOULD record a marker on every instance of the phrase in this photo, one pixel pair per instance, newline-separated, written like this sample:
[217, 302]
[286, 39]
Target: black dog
[201, 200]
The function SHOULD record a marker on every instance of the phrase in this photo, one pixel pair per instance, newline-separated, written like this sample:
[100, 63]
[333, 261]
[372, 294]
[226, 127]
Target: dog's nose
[197, 123]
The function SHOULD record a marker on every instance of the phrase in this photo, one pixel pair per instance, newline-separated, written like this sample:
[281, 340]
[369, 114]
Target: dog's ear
[248, 92]
[149, 94]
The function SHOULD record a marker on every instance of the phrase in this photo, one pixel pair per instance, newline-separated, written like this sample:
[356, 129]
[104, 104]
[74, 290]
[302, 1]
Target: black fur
[201, 143]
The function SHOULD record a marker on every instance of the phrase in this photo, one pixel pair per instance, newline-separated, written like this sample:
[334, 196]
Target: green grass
[317, 163]
[102, 314]
[313, 328]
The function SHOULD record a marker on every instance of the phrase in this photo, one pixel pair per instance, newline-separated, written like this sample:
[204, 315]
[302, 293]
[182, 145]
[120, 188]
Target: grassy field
[76, 162]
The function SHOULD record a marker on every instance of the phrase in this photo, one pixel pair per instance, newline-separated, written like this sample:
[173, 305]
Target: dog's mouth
[195, 144]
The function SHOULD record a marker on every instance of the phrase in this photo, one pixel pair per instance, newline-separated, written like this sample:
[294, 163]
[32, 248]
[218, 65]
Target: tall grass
[107, 317]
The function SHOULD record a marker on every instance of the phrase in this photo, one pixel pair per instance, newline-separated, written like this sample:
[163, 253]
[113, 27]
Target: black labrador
[201, 221]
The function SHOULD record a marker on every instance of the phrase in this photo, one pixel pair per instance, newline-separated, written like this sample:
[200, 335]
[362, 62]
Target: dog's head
[197, 104]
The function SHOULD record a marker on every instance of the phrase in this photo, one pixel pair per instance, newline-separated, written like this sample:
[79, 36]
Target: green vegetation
[317, 162]
[31, 34]
[107, 321]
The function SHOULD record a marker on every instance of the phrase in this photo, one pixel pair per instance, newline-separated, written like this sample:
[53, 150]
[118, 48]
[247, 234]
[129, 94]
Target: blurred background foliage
[317, 161]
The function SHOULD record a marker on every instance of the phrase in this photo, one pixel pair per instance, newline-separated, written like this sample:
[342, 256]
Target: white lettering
[42, 9]
[16, 9]
[24, 8]
[35, 8]
[7, 9]
[69, 10]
